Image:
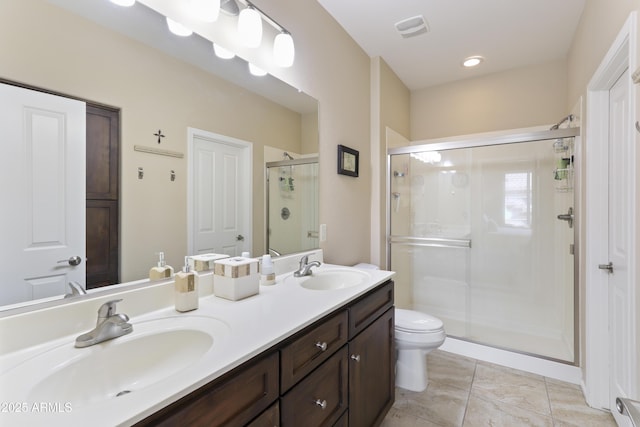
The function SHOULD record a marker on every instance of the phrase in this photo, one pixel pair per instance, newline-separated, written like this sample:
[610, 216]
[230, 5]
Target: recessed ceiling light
[472, 61]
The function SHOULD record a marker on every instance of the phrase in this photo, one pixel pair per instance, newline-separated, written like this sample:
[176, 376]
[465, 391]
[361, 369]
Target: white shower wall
[513, 287]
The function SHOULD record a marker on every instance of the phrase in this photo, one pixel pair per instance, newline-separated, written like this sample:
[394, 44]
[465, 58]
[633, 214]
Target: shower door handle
[567, 217]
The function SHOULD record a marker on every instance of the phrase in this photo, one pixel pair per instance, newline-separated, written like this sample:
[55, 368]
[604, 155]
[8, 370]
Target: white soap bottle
[186, 288]
[161, 271]
[267, 273]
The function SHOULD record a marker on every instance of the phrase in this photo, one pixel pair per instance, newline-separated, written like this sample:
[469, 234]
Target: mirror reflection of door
[43, 192]
[220, 194]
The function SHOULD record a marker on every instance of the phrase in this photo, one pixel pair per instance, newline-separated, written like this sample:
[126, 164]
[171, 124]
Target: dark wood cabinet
[321, 398]
[371, 381]
[339, 371]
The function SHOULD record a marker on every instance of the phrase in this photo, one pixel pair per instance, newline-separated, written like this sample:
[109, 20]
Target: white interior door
[621, 315]
[220, 194]
[42, 169]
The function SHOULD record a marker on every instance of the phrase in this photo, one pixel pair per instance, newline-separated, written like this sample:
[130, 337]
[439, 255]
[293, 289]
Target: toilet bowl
[416, 334]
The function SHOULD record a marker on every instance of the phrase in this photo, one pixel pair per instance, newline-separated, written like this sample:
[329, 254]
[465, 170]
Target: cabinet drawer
[321, 398]
[306, 352]
[369, 308]
[234, 401]
[269, 418]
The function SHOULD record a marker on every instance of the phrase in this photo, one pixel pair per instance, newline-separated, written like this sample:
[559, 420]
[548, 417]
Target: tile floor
[465, 392]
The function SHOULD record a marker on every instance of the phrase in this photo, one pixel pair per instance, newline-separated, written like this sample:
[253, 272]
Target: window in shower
[518, 199]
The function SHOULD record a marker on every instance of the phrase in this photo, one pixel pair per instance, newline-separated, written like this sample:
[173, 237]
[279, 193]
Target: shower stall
[481, 236]
[292, 205]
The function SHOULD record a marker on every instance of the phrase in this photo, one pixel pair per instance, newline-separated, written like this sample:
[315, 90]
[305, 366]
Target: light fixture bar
[267, 18]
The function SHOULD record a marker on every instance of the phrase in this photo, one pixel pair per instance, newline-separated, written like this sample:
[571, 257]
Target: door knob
[74, 260]
[608, 267]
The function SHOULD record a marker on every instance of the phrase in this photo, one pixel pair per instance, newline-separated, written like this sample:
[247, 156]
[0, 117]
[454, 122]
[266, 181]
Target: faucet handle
[108, 308]
[304, 261]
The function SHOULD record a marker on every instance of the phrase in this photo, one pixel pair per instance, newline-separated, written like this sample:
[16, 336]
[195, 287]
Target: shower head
[287, 156]
[557, 125]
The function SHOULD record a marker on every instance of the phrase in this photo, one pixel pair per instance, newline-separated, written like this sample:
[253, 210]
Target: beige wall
[48, 47]
[390, 110]
[517, 98]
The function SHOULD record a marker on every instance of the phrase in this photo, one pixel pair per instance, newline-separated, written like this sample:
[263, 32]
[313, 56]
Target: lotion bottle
[162, 271]
[186, 288]
[267, 273]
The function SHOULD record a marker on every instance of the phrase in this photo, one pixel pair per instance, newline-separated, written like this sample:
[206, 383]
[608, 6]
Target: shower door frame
[491, 139]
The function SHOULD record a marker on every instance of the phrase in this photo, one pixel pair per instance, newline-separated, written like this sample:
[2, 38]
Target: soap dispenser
[267, 273]
[162, 271]
[186, 288]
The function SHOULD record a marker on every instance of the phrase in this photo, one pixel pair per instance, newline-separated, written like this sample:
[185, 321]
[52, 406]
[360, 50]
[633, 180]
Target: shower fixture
[557, 125]
[287, 156]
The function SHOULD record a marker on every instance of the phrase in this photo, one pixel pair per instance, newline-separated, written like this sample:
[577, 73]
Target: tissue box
[235, 278]
[205, 262]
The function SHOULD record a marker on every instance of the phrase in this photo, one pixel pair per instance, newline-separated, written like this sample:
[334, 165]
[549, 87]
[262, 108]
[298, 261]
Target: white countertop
[255, 324]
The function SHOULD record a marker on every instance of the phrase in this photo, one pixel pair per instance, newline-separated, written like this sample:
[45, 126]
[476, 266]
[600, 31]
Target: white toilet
[416, 335]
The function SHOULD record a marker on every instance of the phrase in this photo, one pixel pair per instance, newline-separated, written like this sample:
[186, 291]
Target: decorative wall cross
[159, 135]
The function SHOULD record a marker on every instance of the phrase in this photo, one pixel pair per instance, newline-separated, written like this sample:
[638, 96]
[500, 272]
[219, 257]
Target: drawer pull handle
[321, 345]
[321, 403]
[355, 357]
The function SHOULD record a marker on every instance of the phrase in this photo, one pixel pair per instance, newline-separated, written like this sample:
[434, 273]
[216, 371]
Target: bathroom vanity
[337, 371]
[315, 350]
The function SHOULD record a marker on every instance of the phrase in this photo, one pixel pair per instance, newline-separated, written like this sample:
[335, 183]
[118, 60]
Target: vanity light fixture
[256, 71]
[178, 29]
[283, 49]
[250, 26]
[205, 10]
[472, 61]
[125, 3]
[222, 52]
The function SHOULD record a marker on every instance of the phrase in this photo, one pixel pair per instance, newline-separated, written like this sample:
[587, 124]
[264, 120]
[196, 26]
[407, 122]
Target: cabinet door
[233, 401]
[369, 308]
[269, 418]
[321, 398]
[372, 372]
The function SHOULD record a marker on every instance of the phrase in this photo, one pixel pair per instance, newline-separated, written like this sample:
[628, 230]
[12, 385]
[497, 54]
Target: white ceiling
[507, 33]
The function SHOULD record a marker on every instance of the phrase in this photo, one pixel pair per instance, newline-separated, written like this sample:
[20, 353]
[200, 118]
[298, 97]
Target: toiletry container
[235, 278]
[161, 271]
[186, 288]
[204, 262]
[267, 273]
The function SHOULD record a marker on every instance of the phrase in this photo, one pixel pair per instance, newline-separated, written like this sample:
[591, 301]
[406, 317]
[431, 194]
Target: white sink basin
[155, 350]
[331, 278]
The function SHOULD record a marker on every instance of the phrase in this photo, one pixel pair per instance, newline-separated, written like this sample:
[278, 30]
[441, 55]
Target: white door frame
[621, 55]
[247, 191]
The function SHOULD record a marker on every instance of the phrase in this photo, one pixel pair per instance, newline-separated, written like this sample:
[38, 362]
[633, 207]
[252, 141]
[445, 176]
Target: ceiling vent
[412, 27]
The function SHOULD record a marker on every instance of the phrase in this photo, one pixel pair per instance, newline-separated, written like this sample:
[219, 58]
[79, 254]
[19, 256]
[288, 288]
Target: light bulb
[222, 52]
[177, 28]
[205, 10]
[256, 71]
[283, 50]
[125, 3]
[250, 27]
[472, 61]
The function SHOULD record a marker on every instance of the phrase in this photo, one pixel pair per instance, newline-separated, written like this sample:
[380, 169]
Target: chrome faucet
[76, 290]
[109, 325]
[305, 267]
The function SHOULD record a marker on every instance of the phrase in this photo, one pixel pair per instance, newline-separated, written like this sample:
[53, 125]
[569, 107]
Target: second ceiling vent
[412, 27]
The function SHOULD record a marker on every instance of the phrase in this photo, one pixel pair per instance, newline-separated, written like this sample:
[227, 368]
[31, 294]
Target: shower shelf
[563, 179]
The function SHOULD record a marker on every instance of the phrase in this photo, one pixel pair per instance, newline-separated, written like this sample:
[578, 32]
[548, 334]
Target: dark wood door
[103, 196]
[372, 372]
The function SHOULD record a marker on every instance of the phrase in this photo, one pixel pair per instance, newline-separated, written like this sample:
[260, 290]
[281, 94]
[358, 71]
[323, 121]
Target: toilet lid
[415, 321]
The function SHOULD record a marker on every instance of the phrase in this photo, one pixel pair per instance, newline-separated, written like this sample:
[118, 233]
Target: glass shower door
[476, 241]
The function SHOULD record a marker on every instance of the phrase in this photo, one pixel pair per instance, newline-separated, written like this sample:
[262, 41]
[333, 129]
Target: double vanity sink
[167, 355]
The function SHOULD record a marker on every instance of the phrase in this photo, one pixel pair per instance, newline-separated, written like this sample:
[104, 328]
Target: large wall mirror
[125, 59]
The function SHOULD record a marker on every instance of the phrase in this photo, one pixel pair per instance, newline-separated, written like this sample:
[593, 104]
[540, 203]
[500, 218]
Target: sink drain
[123, 392]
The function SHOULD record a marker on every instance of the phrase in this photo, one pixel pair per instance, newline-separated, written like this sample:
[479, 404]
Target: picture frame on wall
[348, 161]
